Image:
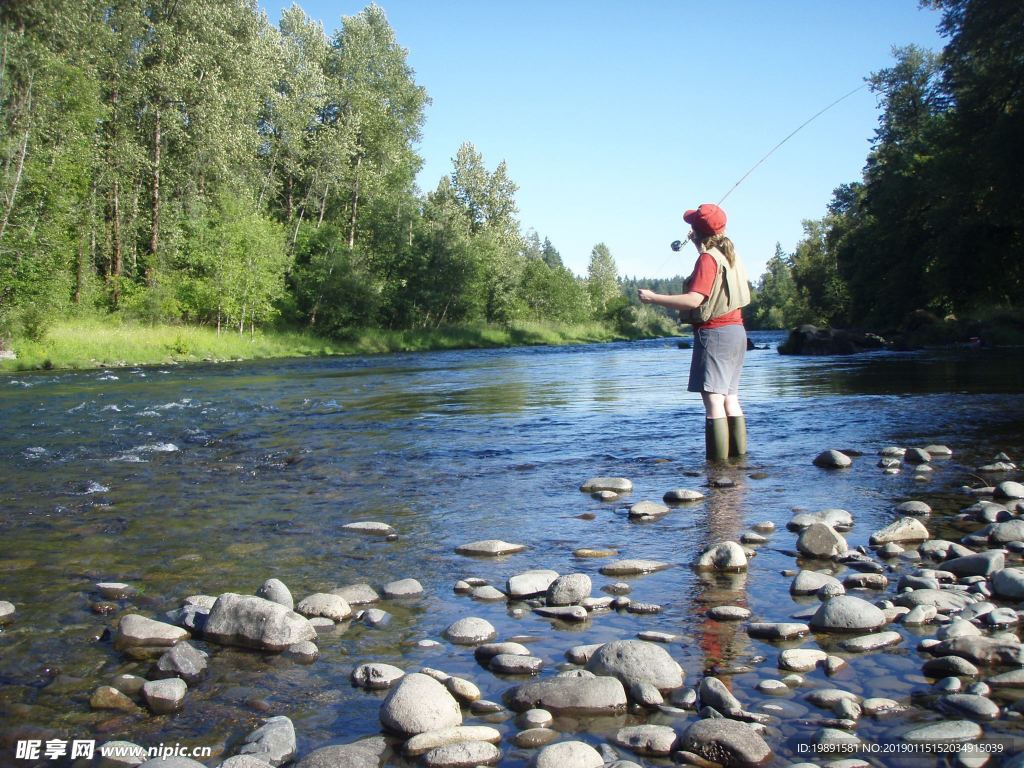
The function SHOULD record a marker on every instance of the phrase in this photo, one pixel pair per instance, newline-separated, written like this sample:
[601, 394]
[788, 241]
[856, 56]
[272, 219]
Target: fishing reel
[677, 245]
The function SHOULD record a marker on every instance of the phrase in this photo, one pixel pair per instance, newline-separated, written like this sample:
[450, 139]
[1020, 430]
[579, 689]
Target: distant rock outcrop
[812, 340]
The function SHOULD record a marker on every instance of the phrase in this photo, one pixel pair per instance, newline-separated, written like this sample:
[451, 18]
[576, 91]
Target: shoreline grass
[99, 343]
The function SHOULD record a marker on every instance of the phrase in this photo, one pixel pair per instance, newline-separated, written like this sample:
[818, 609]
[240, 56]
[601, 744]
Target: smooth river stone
[728, 613]
[563, 612]
[464, 754]
[512, 664]
[487, 593]
[648, 509]
[821, 541]
[402, 588]
[138, 631]
[777, 630]
[570, 696]
[470, 631]
[985, 651]
[725, 556]
[570, 589]
[801, 659]
[489, 548]
[424, 742]
[970, 705]
[847, 614]
[832, 460]
[957, 731]
[324, 605]
[567, 754]
[680, 495]
[376, 677]
[418, 703]
[637, 661]
[530, 583]
[901, 531]
[164, 696]
[654, 740]
[726, 742]
[488, 651]
[872, 642]
[943, 600]
[838, 519]
[595, 552]
[357, 594]
[809, 582]
[276, 591]
[371, 528]
[633, 567]
[615, 484]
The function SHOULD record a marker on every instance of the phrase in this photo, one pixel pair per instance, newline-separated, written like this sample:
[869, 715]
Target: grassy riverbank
[101, 343]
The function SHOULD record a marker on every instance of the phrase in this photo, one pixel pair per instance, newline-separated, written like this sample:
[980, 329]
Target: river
[204, 479]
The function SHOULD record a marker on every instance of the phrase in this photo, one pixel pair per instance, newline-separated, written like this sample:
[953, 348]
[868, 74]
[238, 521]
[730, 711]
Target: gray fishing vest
[730, 291]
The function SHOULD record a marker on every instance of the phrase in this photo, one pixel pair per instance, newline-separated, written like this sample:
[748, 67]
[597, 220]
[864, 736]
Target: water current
[204, 479]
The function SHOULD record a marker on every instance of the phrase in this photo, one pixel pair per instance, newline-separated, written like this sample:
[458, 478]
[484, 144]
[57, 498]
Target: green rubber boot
[737, 435]
[716, 439]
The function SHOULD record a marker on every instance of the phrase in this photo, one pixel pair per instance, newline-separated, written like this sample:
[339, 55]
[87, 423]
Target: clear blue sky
[615, 117]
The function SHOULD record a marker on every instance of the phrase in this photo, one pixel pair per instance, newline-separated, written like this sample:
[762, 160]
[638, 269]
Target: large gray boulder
[570, 696]
[252, 622]
[636, 661]
[419, 703]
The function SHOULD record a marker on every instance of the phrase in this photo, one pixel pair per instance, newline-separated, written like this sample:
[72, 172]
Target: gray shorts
[717, 362]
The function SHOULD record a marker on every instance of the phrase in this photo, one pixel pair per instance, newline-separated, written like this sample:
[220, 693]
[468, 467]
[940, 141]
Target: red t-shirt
[701, 281]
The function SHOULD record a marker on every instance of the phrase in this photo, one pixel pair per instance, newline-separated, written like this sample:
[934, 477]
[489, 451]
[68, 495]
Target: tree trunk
[9, 202]
[355, 206]
[154, 240]
[116, 263]
[323, 205]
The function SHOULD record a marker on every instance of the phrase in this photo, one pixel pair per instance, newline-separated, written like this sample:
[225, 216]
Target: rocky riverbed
[902, 648]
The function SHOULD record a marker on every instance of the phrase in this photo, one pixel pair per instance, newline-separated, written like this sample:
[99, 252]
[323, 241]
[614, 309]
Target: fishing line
[826, 109]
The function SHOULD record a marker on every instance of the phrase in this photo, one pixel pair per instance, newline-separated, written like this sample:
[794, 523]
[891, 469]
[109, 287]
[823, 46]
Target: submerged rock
[833, 459]
[489, 548]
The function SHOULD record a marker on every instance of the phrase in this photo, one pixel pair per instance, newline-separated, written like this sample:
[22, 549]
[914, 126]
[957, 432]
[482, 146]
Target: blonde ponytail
[722, 243]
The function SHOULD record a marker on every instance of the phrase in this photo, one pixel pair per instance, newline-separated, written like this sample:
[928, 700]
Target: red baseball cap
[708, 218]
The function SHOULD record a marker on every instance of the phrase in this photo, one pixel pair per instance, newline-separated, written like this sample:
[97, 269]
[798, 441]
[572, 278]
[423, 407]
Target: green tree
[603, 281]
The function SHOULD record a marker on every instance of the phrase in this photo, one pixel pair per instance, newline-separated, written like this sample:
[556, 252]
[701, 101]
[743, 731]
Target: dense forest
[937, 221]
[191, 162]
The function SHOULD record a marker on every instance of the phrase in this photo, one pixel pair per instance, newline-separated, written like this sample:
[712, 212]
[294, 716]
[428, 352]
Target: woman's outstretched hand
[646, 296]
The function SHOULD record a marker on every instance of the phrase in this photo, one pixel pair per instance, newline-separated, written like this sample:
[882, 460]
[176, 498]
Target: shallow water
[213, 478]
